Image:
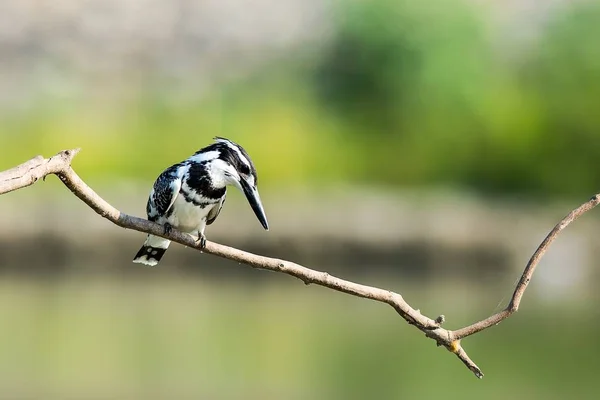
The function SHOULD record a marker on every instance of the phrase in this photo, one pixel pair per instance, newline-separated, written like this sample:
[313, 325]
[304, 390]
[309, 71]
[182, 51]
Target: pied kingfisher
[189, 195]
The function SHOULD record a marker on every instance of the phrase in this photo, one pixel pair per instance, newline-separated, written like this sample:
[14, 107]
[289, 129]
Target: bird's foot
[167, 228]
[201, 240]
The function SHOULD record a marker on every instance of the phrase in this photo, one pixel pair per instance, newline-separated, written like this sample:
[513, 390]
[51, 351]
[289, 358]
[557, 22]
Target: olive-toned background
[422, 147]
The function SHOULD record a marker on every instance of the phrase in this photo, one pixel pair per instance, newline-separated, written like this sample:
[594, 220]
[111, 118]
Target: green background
[402, 96]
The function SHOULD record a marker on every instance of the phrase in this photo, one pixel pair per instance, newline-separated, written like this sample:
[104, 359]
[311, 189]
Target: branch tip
[69, 154]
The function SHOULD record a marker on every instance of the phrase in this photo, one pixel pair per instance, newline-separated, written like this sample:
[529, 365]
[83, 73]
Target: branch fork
[38, 167]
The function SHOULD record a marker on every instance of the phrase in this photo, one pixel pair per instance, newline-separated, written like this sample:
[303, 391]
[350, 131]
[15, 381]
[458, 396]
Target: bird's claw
[167, 228]
[201, 240]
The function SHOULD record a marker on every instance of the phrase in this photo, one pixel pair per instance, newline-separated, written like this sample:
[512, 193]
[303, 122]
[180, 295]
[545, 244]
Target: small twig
[29, 172]
[515, 301]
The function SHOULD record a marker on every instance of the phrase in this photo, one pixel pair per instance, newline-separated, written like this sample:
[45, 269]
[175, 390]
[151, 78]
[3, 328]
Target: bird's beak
[254, 200]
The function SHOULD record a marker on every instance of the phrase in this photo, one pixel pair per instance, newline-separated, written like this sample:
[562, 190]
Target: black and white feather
[190, 195]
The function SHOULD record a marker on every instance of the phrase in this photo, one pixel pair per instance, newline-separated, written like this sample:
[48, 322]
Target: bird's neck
[202, 179]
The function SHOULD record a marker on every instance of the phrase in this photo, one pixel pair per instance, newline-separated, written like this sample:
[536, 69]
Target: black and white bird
[189, 195]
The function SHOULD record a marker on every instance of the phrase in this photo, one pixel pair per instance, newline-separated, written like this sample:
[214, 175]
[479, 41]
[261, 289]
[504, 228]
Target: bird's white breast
[188, 217]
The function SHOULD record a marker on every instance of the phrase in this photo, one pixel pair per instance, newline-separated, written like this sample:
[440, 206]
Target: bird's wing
[165, 191]
[214, 213]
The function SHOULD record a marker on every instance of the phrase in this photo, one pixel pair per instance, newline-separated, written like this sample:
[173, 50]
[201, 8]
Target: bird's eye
[244, 169]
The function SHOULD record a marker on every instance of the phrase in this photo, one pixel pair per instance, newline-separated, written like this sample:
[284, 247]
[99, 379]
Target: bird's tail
[152, 251]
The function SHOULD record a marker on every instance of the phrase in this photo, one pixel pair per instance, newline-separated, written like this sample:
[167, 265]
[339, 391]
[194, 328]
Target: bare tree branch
[29, 172]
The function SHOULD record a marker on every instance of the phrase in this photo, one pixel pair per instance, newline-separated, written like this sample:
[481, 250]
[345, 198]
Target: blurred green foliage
[406, 93]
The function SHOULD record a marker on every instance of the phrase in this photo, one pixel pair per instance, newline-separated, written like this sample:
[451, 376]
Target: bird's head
[233, 166]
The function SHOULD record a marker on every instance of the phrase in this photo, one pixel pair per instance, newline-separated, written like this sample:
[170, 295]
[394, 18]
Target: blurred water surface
[157, 338]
